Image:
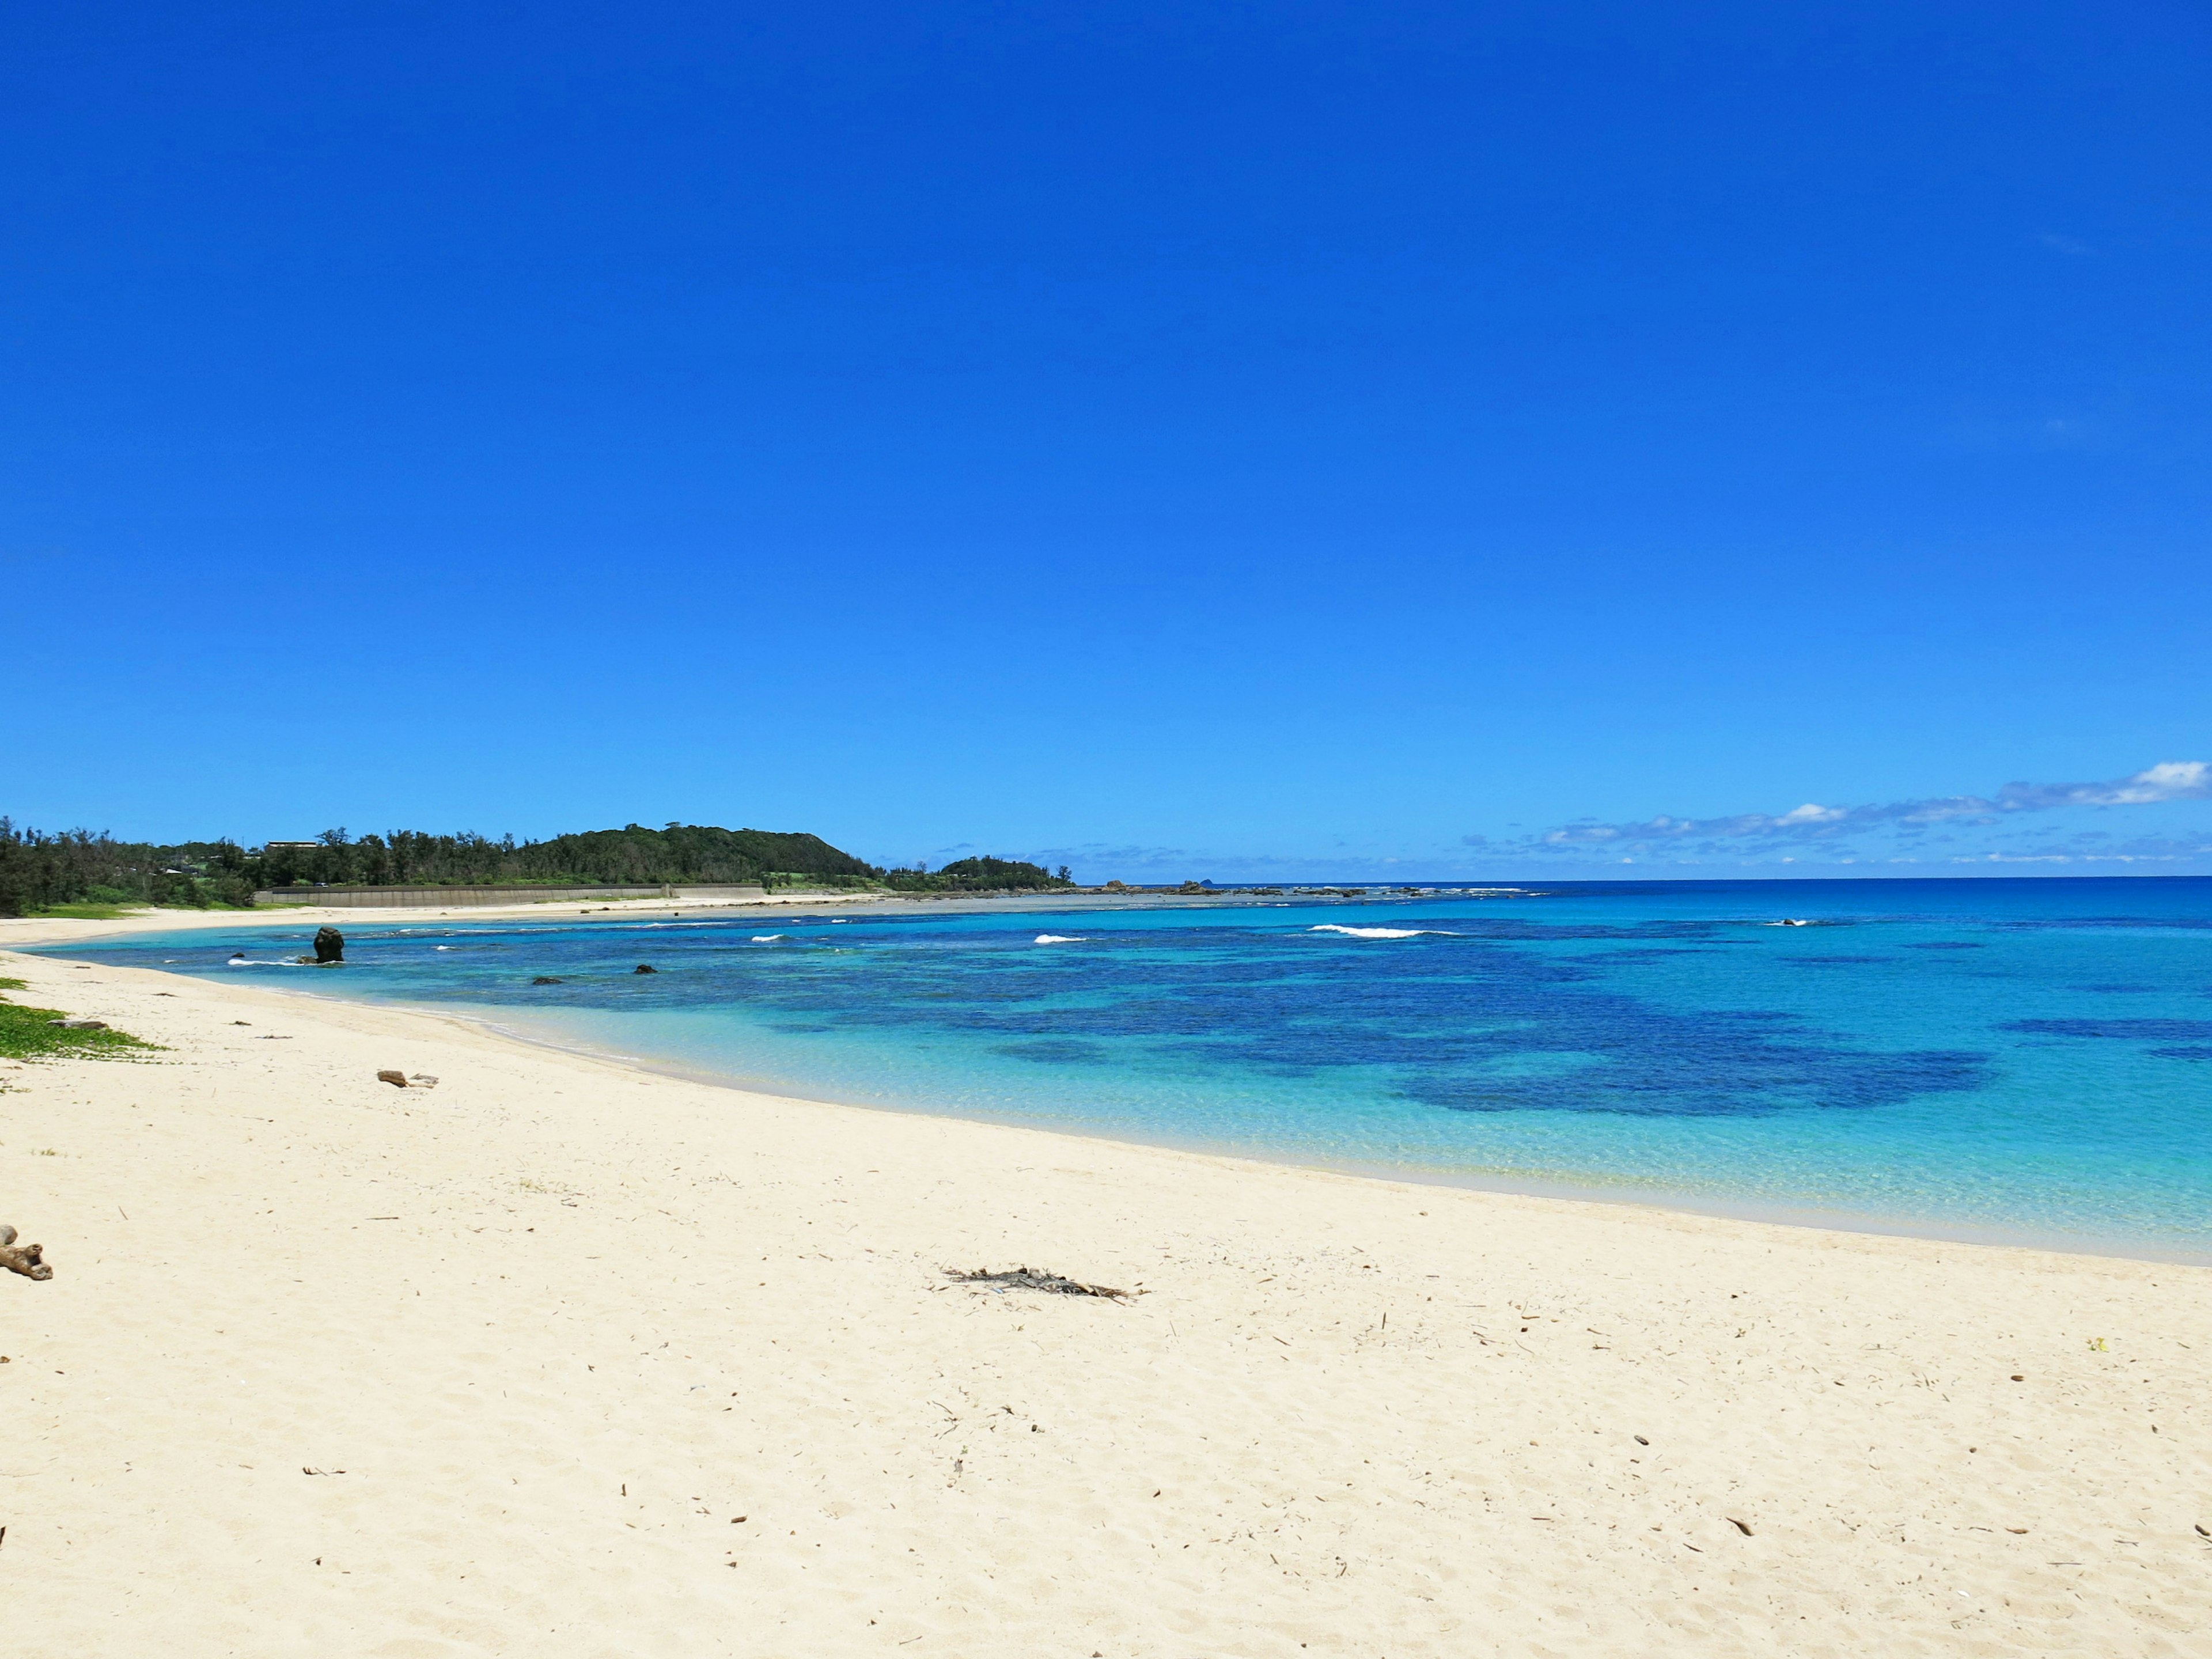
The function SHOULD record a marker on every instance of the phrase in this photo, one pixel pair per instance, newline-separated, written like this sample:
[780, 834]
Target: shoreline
[564, 1355]
[1663, 1200]
[43, 933]
[1563, 1188]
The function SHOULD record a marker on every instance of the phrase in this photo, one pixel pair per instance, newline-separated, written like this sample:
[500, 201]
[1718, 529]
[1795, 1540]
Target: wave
[766, 938]
[1058, 939]
[1379, 932]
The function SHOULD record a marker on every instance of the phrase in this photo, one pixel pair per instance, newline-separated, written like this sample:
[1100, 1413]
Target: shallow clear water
[2024, 1059]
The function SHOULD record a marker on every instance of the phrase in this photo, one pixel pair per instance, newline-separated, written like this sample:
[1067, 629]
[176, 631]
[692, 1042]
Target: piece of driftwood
[21, 1258]
[1028, 1278]
[396, 1079]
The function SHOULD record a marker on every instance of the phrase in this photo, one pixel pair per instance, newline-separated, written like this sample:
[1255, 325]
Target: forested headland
[80, 868]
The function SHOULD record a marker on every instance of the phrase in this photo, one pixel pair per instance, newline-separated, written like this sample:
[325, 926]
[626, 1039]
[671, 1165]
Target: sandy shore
[561, 1358]
[26, 931]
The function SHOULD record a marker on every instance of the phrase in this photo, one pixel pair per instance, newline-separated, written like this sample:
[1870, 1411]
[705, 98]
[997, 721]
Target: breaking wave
[1379, 932]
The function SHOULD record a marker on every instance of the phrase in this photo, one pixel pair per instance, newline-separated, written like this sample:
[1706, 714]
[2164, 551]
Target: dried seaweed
[1028, 1278]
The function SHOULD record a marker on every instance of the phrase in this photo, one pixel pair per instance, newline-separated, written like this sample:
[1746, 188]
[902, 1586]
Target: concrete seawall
[418, 898]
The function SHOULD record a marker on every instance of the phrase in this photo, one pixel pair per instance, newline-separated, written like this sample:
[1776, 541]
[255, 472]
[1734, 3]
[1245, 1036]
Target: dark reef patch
[2124, 1031]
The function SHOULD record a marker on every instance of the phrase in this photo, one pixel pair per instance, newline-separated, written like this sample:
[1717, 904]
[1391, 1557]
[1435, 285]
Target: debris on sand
[25, 1259]
[1028, 1278]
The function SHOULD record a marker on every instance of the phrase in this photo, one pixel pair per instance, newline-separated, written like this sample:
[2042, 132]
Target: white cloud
[2168, 780]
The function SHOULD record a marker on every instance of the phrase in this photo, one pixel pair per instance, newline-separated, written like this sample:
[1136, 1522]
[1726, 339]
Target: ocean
[2020, 1061]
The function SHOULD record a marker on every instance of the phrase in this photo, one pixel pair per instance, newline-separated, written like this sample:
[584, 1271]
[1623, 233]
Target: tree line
[75, 866]
[633, 856]
[39, 871]
[976, 875]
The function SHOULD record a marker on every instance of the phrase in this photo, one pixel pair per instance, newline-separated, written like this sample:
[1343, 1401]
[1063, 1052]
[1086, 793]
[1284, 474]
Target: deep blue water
[2025, 1059]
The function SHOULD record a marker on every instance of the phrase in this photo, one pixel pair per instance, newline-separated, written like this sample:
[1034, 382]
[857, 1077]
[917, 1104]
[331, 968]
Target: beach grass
[28, 1034]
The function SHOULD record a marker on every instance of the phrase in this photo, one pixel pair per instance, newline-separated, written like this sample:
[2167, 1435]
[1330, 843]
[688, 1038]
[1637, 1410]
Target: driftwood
[22, 1259]
[1025, 1279]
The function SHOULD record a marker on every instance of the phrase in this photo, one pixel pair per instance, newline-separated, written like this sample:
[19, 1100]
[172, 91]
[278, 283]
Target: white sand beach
[560, 1358]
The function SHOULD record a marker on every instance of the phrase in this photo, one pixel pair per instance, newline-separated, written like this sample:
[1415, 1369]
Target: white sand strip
[560, 1359]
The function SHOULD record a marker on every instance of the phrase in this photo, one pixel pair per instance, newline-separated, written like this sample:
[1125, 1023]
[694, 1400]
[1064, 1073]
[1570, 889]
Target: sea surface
[2025, 1060]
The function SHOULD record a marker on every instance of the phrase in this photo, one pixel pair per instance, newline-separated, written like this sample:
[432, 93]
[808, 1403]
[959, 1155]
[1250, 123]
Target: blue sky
[1208, 440]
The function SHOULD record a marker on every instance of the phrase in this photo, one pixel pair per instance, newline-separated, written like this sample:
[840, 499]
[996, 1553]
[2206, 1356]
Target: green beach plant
[28, 1033]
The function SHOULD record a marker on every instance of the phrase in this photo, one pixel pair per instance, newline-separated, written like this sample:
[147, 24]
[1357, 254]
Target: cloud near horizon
[2168, 780]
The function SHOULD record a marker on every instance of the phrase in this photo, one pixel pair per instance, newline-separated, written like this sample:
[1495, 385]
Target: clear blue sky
[1191, 439]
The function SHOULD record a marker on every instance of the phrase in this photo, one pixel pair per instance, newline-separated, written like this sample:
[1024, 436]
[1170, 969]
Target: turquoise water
[2022, 1059]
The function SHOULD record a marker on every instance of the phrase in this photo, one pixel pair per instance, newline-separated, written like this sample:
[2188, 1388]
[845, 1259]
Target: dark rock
[330, 945]
[396, 1079]
[645, 968]
[546, 979]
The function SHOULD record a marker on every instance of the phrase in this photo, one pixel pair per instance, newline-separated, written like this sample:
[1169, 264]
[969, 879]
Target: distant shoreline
[44, 931]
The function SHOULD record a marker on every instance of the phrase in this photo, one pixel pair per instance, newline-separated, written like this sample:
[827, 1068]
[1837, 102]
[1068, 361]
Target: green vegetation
[630, 857]
[78, 873]
[978, 875]
[25, 1034]
[40, 871]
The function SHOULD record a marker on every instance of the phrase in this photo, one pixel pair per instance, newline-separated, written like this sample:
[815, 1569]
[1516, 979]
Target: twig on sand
[24, 1258]
[1028, 1278]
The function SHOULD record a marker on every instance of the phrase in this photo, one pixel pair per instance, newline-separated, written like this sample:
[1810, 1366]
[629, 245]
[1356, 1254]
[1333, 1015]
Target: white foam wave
[766, 938]
[1058, 939]
[1378, 933]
